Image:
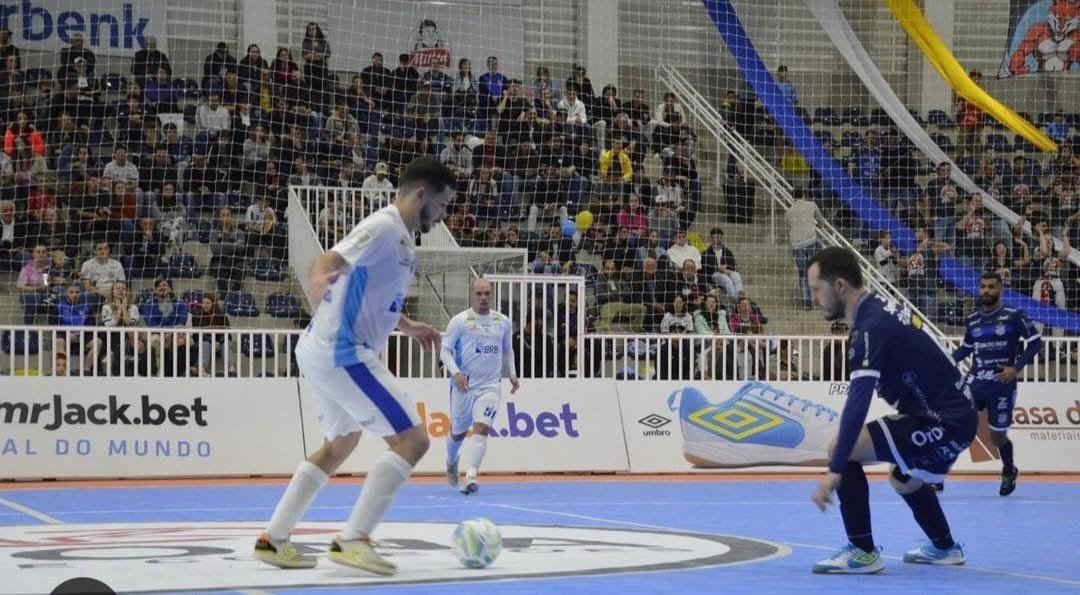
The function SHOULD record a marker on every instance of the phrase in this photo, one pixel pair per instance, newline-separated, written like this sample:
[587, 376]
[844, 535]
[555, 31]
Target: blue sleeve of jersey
[965, 348]
[860, 391]
[1032, 339]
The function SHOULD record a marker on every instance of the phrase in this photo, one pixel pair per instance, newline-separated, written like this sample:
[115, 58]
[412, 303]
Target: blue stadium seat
[1022, 144]
[998, 143]
[878, 117]
[203, 230]
[20, 342]
[826, 116]
[241, 303]
[257, 345]
[283, 305]
[943, 141]
[939, 118]
[854, 116]
[268, 269]
[192, 296]
[183, 266]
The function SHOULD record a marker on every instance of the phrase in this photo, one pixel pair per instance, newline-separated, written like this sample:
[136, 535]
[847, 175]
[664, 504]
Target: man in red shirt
[970, 121]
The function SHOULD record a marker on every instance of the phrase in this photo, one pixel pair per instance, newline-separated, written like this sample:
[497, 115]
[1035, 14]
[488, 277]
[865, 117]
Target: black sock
[854, 496]
[927, 510]
[1006, 452]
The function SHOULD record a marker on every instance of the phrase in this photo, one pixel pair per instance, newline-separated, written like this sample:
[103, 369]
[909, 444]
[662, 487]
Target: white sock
[304, 486]
[476, 454]
[453, 447]
[382, 482]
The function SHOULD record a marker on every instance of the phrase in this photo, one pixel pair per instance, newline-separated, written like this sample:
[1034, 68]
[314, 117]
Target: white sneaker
[928, 554]
[851, 560]
[471, 486]
[359, 553]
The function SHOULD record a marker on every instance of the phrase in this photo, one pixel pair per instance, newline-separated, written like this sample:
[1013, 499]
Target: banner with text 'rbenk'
[108, 27]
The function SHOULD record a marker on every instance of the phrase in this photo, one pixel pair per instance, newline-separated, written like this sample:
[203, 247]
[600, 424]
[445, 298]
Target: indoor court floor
[573, 534]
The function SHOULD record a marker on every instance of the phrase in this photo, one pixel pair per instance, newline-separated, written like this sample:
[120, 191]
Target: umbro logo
[654, 421]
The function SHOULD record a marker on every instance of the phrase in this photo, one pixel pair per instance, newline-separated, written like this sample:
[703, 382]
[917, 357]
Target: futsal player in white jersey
[476, 347]
[359, 287]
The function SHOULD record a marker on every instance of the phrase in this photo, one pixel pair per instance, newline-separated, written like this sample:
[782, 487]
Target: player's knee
[481, 429]
[903, 483]
[999, 438]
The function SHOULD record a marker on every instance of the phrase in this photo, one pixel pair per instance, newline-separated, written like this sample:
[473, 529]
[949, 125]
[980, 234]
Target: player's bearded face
[990, 294]
[434, 209]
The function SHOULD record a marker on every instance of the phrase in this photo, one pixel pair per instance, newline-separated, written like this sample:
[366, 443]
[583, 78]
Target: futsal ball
[477, 542]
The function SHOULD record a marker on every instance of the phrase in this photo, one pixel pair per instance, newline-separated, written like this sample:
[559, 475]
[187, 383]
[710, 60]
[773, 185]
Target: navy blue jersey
[893, 354]
[914, 372]
[995, 340]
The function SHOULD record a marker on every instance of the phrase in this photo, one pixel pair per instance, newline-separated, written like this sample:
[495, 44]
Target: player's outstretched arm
[427, 335]
[323, 272]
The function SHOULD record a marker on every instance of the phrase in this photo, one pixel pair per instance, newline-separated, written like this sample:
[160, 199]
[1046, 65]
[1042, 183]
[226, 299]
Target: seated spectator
[210, 315]
[691, 285]
[148, 61]
[718, 264]
[138, 359]
[666, 122]
[88, 85]
[682, 250]
[164, 309]
[33, 284]
[302, 175]
[250, 70]
[77, 164]
[887, 257]
[482, 196]
[212, 118]
[217, 63]
[744, 321]
[76, 51]
[378, 189]
[459, 158]
[576, 110]
[41, 198]
[677, 316]
[711, 318]
[99, 273]
[53, 233]
[74, 311]
[204, 188]
[553, 252]
[14, 235]
[228, 244]
[120, 312]
[675, 356]
[153, 176]
[613, 295]
[23, 129]
[834, 353]
[332, 223]
[161, 96]
[180, 147]
[147, 249]
[918, 272]
[121, 170]
[652, 287]
[180, 356]
[491, 85]
[972, 234]
[263, 229]
[424, 110]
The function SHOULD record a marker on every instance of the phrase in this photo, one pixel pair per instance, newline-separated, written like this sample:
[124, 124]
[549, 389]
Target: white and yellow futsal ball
[477, 542]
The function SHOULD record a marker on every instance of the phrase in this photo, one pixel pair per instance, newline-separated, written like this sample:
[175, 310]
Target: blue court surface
[570, 535]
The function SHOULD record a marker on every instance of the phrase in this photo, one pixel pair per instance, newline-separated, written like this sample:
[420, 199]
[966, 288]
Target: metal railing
[546, 348]
[776, 186]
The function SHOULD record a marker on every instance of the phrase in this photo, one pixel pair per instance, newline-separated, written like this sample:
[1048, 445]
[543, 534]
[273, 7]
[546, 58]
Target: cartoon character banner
[1044, 36]
[434, 35]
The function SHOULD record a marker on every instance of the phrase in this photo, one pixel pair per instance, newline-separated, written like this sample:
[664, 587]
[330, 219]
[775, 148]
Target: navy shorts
[998, 405]
[920, 446]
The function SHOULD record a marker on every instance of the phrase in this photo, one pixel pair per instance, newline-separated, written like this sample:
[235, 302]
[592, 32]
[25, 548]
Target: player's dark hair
[838, 263]
[426, 172]
[996, 276]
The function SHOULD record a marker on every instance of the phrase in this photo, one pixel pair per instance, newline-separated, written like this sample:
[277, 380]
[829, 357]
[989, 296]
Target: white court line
[30, 512]
[1038, 577]
[967, 567]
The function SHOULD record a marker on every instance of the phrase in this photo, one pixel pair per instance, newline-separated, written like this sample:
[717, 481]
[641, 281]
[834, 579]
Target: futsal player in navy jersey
[994, 333]
[890, 352]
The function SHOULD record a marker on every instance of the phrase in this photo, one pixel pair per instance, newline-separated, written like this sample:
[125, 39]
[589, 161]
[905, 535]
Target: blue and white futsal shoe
[758, 425]
[928, 554]
[851, 560]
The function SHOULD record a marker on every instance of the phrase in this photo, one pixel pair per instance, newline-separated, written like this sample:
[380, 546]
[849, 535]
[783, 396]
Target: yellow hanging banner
[924, 36]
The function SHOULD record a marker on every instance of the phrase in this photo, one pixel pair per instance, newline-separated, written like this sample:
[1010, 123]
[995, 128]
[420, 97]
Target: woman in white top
[678, 316]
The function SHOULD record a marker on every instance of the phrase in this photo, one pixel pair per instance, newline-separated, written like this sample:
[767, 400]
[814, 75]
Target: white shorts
[363, 396]
[477, 405]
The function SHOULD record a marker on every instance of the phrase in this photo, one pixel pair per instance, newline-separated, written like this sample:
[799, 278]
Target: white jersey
[362, 307]
[478, 345]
